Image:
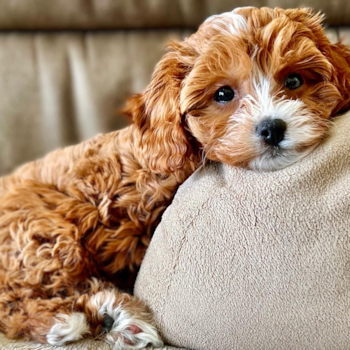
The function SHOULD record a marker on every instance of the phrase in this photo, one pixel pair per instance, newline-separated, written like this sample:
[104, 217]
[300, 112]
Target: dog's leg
[34, 318]
[45, 290]
[95, 308]
[105, 312]
[123, 320]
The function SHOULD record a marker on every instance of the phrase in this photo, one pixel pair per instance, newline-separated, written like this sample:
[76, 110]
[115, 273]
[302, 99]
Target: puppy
[253, 87]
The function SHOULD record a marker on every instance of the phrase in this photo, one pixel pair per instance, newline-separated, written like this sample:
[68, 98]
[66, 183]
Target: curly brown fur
[87, 210]
[73, 221]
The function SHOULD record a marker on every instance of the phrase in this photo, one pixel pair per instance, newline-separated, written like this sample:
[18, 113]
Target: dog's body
[253, 87]
[84, 211]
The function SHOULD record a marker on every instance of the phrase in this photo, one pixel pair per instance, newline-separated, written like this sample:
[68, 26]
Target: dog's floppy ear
[339, 56]
[156, 112]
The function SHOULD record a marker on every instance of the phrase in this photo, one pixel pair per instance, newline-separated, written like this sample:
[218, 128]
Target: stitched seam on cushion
[177, 256]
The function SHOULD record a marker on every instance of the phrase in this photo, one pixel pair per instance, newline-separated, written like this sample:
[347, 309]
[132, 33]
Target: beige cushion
[127, 14]
[58, 89]
[247, 260]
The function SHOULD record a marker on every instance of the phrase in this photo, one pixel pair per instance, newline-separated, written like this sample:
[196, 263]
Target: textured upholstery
[60, 88]
[140, 14]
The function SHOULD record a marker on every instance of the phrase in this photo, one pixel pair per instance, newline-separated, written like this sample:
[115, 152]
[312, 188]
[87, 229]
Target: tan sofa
[66, 66]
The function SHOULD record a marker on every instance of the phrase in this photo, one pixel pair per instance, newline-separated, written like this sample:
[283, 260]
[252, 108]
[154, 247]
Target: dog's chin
[277, 159]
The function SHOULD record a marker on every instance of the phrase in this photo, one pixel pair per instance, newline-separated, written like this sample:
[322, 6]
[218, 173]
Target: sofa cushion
[248, 260]
[58, 89]
[131, 14]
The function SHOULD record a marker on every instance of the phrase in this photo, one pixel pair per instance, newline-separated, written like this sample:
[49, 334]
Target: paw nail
[134, 329]
[107, 323]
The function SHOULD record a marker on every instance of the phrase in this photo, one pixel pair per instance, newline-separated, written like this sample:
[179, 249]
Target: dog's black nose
[272, 131]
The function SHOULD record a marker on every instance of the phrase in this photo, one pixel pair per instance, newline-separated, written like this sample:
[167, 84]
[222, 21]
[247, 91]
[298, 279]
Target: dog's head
[252, 87]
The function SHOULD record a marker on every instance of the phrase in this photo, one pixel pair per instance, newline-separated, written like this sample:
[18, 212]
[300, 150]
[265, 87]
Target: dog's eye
[293, 81]
[224, 94]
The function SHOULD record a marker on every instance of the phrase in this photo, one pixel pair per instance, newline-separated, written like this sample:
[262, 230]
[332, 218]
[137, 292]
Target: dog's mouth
[274, 151]
[278, 157]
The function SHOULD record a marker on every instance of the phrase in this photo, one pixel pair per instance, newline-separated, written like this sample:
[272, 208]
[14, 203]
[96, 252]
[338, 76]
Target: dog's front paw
[126, 325]
[130, 332]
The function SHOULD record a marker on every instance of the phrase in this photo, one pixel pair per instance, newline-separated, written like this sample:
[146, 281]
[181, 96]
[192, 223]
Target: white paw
[129, 332]
[126, 331]
[67, 328]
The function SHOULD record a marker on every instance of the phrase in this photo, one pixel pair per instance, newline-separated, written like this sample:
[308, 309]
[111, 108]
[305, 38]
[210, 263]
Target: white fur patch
[68, 328]
[105, 303]
[228, 22]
